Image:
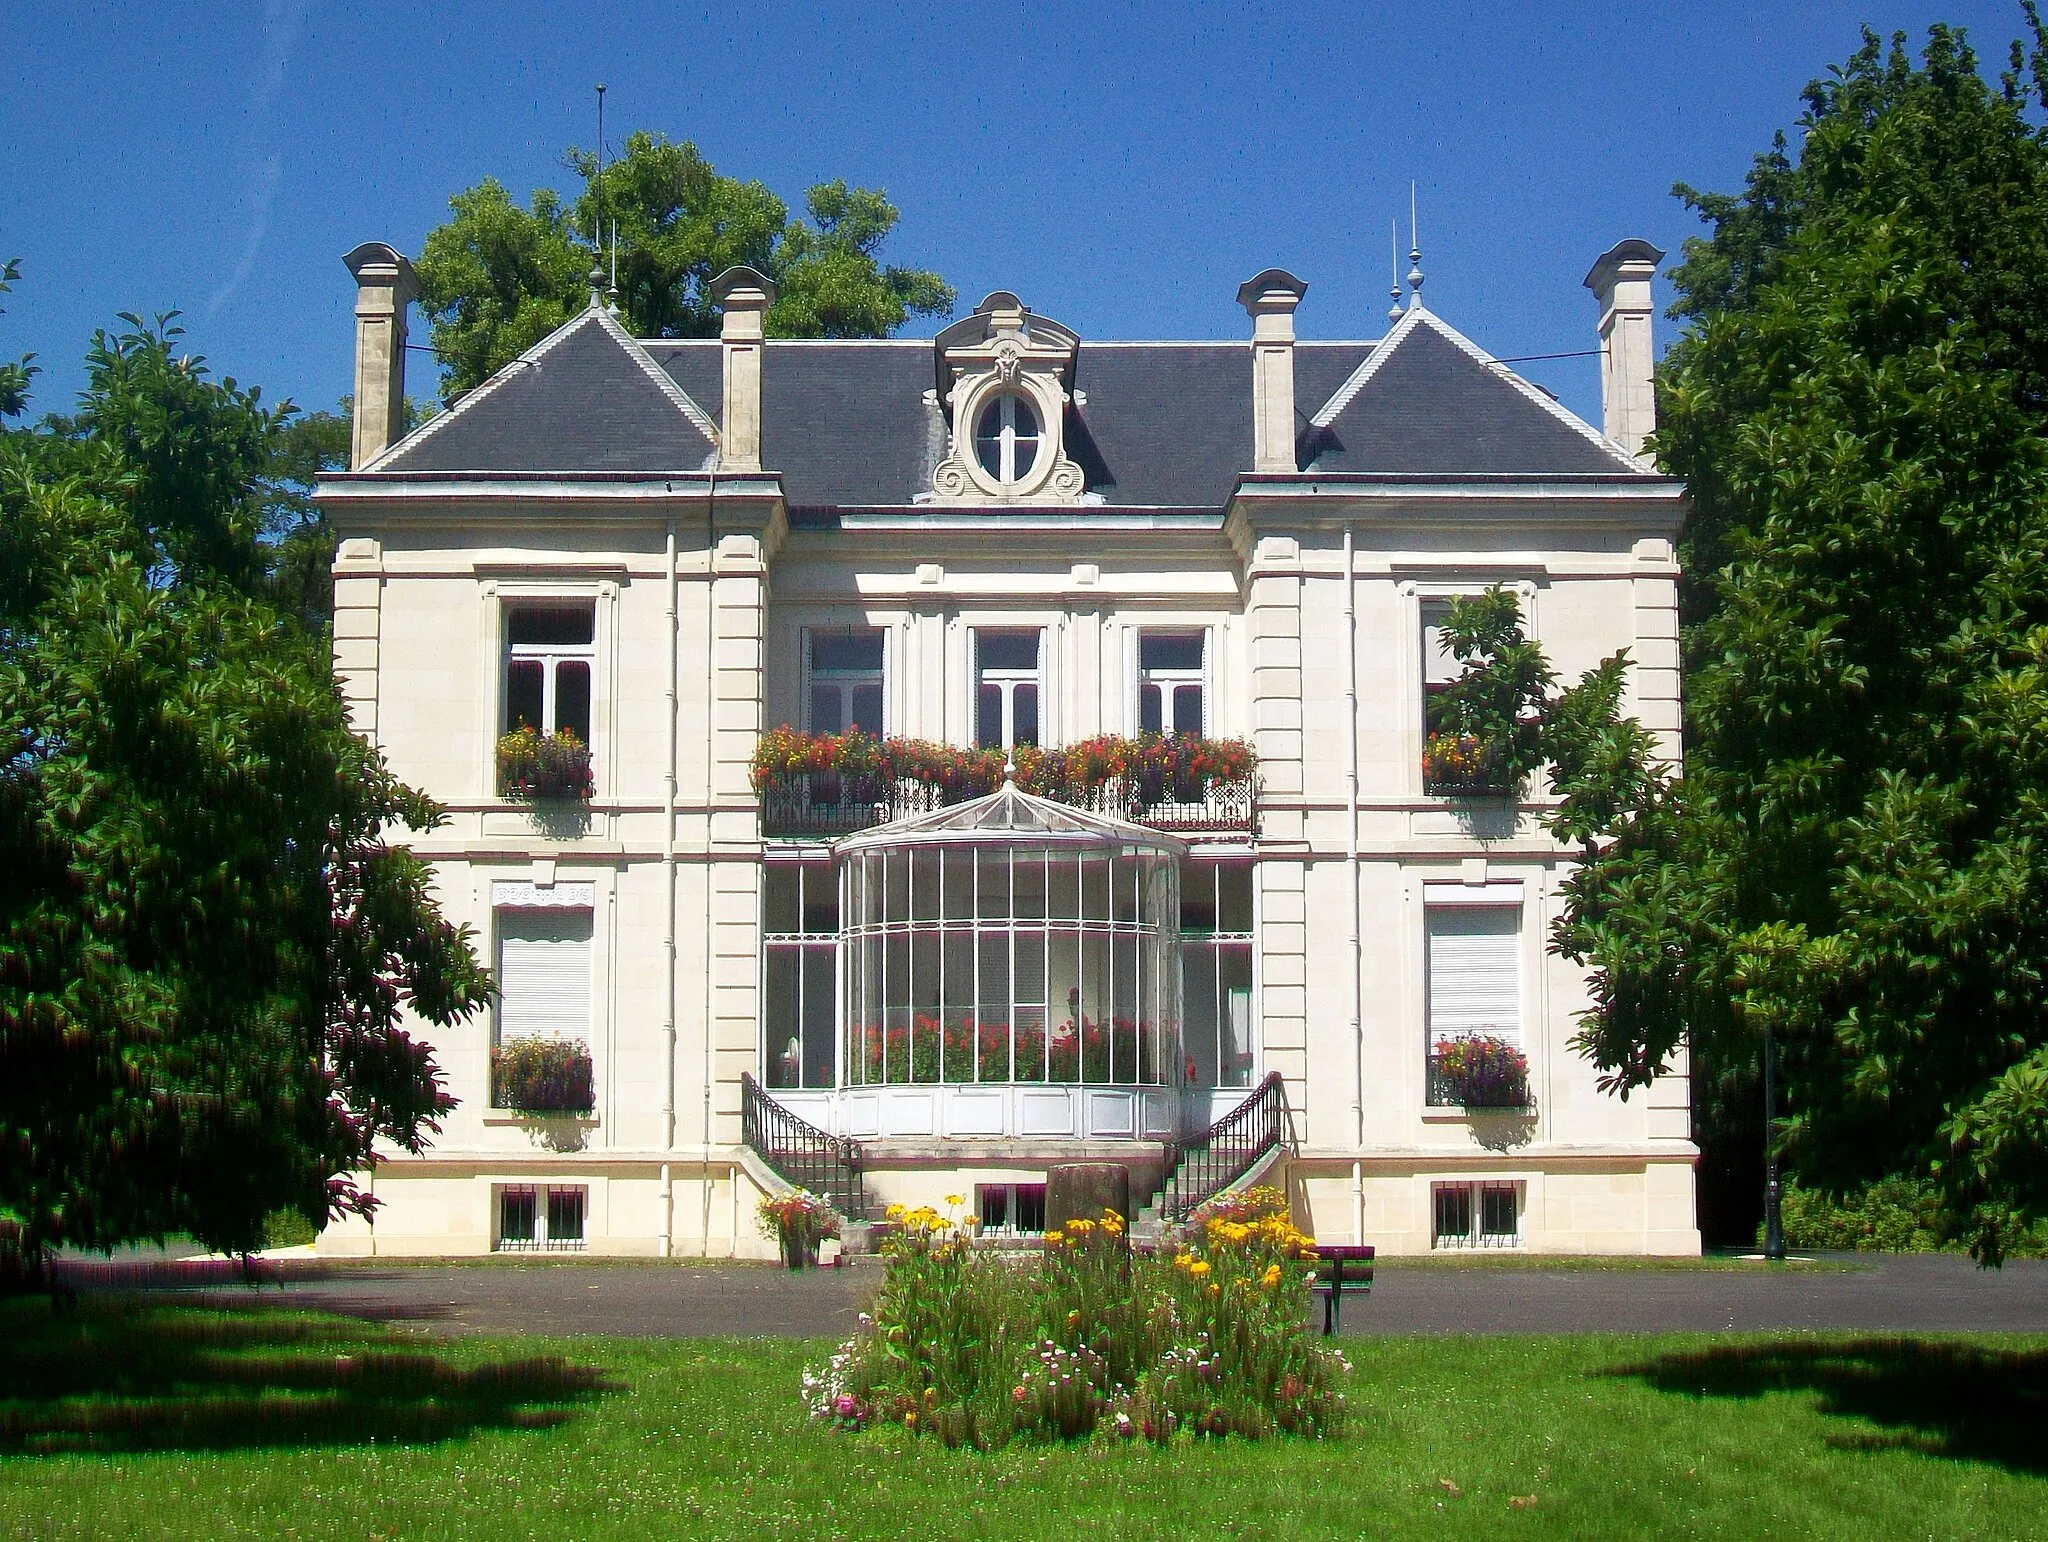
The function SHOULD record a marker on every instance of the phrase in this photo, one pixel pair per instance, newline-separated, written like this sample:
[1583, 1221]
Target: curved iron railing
[1231, 1147]
[801, 1153]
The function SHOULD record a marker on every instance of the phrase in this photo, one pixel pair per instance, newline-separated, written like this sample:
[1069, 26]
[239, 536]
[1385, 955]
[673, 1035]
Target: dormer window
[1006, 439]
[1004, 378]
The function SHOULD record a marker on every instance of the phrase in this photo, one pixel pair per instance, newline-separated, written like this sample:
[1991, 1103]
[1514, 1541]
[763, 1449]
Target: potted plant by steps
[799, 1220]
[543, 1076]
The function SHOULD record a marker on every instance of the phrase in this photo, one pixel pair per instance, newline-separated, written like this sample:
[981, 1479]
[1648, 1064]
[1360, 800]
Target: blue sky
[1121, 167]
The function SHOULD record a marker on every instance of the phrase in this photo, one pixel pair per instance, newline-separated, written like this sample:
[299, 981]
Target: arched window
[1006, 439]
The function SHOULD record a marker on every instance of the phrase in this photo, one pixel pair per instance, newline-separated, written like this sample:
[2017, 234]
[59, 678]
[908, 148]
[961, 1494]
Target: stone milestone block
[1083, 1190]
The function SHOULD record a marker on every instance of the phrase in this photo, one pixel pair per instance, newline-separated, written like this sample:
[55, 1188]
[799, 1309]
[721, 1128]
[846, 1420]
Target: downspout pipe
[1355, 941]
[710, 791]
[668, 836]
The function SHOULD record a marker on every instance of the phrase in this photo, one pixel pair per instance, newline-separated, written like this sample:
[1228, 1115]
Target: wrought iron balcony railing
[826, 804]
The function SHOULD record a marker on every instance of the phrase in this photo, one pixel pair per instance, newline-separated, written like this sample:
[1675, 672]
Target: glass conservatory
[1009, 966]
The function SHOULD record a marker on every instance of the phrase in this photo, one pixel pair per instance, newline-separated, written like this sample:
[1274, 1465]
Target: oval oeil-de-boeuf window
[1006, 438]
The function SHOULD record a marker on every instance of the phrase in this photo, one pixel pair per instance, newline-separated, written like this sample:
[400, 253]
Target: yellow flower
[1081, 1226]
[1271, 1277]
[1199, 1268]
[1183, 1260]
[893, 1213]
[1053, 1239]
[1215, 1289]
[956, 1199]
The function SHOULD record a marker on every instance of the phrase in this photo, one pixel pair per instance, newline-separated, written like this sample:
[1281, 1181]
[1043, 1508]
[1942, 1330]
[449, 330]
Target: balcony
[818, 786]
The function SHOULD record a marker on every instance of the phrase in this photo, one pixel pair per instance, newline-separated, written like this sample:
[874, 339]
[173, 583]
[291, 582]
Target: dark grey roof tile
[585, 400]
[1430, 407]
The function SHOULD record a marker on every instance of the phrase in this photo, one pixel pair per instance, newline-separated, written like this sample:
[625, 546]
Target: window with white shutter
[1475, 977]
[543, 974]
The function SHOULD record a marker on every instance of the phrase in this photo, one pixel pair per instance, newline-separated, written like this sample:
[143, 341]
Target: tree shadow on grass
[115, 1375]
[1935, 1396]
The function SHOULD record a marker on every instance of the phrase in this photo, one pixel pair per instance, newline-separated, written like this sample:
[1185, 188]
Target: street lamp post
[1774, 1221]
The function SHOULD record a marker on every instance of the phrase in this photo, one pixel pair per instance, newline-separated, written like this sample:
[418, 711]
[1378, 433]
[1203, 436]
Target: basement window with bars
[1010, 1209]
[1476, 1215]
[542, 1218]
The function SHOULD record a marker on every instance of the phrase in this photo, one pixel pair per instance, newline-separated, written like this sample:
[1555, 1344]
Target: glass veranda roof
[1010, 815]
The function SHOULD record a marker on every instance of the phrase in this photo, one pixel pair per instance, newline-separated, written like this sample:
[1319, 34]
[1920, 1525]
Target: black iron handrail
[1231, 1147]
[801, 1153]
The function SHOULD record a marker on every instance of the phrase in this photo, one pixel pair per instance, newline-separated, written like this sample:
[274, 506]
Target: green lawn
[261, 1423]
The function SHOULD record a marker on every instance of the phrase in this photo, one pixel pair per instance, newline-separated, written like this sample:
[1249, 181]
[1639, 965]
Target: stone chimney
[1620, 281]
[1271, 297]
[384, 288]
[744, 296]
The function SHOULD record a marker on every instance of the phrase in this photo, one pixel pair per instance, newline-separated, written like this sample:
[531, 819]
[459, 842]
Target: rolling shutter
[544, 974]
[1475, 971]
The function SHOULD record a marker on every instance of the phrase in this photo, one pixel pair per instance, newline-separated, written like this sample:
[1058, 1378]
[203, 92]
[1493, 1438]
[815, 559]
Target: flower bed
[964, 1050]
[1479, 1072]
[977, 1347]
[535, 765]
[542, 1076]
[799, 1221]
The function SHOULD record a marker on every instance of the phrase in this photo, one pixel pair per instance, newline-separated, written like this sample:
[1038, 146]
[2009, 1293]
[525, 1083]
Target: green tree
[1858, 852]
[206, 943]
[495, 279]
[14, 377]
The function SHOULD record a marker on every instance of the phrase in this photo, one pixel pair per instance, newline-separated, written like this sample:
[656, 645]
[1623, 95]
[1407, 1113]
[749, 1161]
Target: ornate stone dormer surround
[1000, 352]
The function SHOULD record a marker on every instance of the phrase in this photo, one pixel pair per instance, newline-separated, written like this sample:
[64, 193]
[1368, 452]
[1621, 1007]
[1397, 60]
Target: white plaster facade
[702, 577]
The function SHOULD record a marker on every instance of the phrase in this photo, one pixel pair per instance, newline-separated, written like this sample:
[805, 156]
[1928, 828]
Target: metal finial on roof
[1394, 239]
[1414, 255]
[612, 294]
[597, 219]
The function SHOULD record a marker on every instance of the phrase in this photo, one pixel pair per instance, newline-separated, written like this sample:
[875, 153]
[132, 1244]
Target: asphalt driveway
[1875, 1293]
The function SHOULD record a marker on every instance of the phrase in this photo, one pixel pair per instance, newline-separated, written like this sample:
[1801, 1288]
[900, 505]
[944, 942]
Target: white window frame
[1502, 897]
[551, 657]
[1215, 942]
[1007, 680]
[1005, 472]
[541, 1241]
[1423, 598]
[527, 897]
[803, 944]
[1172, 680]
[845, 679]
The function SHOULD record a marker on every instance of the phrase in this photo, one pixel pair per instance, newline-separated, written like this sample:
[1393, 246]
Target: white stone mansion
[761, 913]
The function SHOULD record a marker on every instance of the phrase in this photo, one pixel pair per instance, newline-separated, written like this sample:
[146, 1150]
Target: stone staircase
[1236, 1150]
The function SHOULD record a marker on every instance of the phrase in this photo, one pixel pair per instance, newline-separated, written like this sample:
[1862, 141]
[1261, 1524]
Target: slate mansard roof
[856, 424]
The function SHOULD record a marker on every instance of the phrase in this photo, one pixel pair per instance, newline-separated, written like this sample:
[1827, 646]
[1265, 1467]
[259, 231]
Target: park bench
[1343, 1268]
